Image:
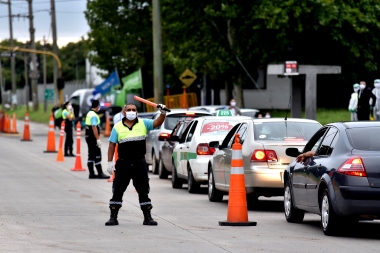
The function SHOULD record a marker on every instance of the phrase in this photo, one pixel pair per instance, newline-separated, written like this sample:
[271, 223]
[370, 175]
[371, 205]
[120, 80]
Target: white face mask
[356, 89]
[131, 115]
[233, 103]
[377, 85]
[362, 86]
[69, 107]
[98, 109]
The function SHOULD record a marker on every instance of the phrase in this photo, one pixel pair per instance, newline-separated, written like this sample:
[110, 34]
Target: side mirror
[174, 138]
[214, 144]
[292, 152]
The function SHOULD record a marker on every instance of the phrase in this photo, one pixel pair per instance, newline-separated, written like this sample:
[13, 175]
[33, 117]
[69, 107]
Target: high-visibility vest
[63, 114]
[131, 142]
[89, 116]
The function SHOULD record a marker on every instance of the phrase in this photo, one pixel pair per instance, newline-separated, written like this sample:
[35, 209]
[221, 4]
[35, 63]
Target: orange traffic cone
[78, 159]
[51, 137]
[14, 124]
[237, 200]
[7, 124]
[60, 157]
[115, 157]
[26, 136]
[107, 131]
[183, 99]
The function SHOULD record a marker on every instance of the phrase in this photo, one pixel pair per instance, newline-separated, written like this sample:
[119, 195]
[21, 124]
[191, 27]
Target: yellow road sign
[187, 77]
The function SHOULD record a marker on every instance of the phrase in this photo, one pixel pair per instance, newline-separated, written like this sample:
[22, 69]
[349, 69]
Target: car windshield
[217, 127]
[285, 131]
[363, 138]
[172, 119]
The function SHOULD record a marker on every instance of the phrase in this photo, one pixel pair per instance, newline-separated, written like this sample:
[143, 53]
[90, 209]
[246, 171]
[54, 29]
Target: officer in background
[353, 104]
[376, 92]
[119, 116]
[130, 134]
[364, 103]
[68, 117]
[233, 108]
[93, 142]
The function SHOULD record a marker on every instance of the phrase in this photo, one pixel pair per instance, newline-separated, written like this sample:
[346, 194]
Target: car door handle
[187, 147]
[180, 148]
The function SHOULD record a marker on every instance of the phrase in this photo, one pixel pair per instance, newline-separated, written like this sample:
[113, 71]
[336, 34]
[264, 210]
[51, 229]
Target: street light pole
[13, 71]
[157, 53]
[34, 72]
[59, 94]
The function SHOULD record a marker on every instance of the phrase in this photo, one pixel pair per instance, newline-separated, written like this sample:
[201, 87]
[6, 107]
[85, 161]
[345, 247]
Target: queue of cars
[340, 182]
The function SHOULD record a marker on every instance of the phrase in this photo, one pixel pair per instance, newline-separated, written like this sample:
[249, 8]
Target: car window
[364, 138]
[242, 132]
[172, 119]
[284, 131]
[228, 137]
[217, 126]
[314, 142]
[182, 138]
[191, 132]
[326, 146]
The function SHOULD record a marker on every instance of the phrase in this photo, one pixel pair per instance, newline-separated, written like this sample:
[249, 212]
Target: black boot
[90, 166]
[100, 172]
[113, 218]
[148, 220]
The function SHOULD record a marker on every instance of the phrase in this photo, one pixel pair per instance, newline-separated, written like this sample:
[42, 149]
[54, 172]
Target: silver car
[154, 145]
[264, 142]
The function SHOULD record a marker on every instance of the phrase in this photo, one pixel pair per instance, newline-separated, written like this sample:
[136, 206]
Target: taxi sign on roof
[224, 113]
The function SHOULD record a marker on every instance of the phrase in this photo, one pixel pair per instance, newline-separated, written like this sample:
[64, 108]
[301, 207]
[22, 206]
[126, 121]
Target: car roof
[248, 110]
[283, 119]
[174, 111]
[225, 117]
[354, 124]
[208, 107]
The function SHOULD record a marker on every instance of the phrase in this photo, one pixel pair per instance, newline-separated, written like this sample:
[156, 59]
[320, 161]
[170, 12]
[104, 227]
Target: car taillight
[353, 167]
[163, 136]
[204, 149]
[262, 155]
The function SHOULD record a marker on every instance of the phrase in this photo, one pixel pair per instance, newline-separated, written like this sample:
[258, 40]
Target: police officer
[93, 142]
[364, 96]
[130, 134]
[68, 116]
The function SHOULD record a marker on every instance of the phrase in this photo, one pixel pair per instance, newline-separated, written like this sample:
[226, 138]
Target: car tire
[162, 172]
[291, 213]
[154, 163]
[214, 195]
[192, 185]
[329, 219]
[177, 182]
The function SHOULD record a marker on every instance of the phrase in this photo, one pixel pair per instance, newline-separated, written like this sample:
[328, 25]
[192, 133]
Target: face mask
[131, 115]
[233, 103]
[356, 89]
[377, 85]
[98, 109]
[69, 107]
[362, 86]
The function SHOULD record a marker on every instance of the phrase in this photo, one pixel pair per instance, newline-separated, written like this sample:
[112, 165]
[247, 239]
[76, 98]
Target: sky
[70, 20]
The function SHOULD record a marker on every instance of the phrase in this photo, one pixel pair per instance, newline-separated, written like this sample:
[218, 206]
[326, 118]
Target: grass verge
[35, 116]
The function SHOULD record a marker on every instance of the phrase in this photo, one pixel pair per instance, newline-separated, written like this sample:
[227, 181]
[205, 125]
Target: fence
[176, 101]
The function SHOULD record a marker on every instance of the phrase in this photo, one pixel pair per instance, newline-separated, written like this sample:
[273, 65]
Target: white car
[192, 154]
[209, 108]
[154, 145]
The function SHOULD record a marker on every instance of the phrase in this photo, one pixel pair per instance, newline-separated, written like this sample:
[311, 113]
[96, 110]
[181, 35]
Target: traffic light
[60, 83]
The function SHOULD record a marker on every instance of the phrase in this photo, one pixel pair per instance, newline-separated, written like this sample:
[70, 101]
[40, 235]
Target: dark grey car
[341, 182]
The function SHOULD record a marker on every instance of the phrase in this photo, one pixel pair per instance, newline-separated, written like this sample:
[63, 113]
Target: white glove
[110, 168]
[162, 107]
[98, 143]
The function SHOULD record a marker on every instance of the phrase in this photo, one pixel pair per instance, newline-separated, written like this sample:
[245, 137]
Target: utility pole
[58, 94]
[34, 71]
[13, 71]
[26, 82]
[1, 86]
[45, 101]
[157, 53]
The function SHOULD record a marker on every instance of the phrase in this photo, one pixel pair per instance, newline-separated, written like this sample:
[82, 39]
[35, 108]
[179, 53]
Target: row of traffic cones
[8, 124]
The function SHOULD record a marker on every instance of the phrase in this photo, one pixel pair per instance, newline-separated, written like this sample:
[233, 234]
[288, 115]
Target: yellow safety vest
[131, 141]
[63, 114]
[89, 116]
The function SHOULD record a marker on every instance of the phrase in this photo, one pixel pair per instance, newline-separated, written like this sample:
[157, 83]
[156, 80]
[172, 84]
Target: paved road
[46, 207]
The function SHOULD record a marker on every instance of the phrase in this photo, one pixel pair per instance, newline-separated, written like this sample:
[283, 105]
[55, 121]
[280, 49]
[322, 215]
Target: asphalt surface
[46, 207]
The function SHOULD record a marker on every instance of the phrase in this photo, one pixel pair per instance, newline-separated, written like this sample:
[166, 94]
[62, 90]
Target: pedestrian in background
[353, 104]
[130, 134]
[68, 117]
[93, 142]
[376, 92]
[234, 109]
[119, 116]
[364, 104]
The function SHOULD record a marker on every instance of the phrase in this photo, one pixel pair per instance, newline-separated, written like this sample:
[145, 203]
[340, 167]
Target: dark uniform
[364, 96]
[69, 132]
[131, 165]
[94, 152]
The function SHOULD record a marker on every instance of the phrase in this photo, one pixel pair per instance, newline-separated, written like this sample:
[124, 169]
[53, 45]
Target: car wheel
[329, 219]
[291, 213]
[154, 163]
[162, 172]
[214, 195]
[177, 182]
[192, 185]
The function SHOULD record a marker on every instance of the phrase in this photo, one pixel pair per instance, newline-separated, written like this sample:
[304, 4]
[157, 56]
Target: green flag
[132, 81]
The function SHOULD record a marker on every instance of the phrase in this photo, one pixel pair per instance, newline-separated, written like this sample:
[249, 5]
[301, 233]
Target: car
[153, 145]
[209, 108]
[341, 182]
[192, 153]
[264, 142]
[165, 163]
[249, 112]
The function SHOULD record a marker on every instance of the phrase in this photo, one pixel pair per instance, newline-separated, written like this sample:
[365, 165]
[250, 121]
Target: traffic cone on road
[237, 201]
[51, 137]
[107, 131]
[115, 157]
[60, 157]
[78, 159]
[14, 124]
[7, 124]
[26, 136]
